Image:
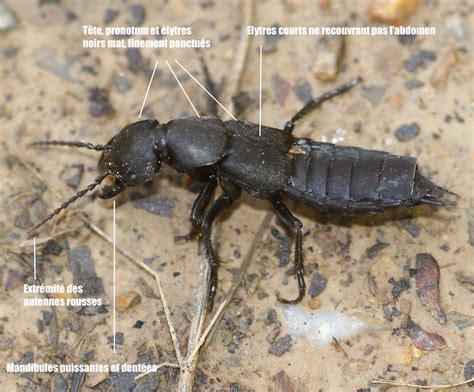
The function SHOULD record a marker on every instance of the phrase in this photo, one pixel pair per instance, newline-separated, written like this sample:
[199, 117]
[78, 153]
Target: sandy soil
[46, 79]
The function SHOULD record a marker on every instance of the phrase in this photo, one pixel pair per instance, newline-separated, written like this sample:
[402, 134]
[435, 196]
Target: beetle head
[131, 157]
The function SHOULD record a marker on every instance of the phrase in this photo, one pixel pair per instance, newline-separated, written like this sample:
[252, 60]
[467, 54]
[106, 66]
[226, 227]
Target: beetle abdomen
[348, 179]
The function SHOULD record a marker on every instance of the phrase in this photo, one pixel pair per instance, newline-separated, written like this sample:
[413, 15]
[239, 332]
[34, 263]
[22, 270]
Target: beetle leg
[221, 205]
[197, 210]
[316, 102]
[210, 86]
[295, 225]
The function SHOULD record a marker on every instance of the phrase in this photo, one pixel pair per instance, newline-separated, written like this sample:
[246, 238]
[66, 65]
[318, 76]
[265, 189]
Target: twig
[186, 379]
[400, 384]
[125, 253]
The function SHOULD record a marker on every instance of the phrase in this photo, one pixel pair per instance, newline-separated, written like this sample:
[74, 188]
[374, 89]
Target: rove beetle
[270, 165]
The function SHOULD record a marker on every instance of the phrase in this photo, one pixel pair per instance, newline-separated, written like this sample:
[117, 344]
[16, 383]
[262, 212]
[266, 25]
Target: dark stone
[119, 338]
[241, 102]
[72, 175]
[303, 91]
[411, 227]
[138, 324]
[40, 325]
[156, 205]
[47, 317]
[469, 372]
[423, 57]
[407, 132]
[270, 41]
[83, 272]
[110, 15]
[11, 51]
[399, 286]
[122, 83]
[318, 285]
[406, 39]
[373, 94]
[52, 247]
[99, 104]
[234, 387]
[138, 14]
[281, 346]
[413, 84]
[135, 60]
[271, 317]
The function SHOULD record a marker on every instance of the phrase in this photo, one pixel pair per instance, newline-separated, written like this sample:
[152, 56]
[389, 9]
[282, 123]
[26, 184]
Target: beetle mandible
[269, 163]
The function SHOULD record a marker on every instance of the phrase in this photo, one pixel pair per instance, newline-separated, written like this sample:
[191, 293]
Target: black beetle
[268, 163]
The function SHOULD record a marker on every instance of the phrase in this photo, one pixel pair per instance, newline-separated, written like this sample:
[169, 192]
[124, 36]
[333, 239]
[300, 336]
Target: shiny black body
[269, 163]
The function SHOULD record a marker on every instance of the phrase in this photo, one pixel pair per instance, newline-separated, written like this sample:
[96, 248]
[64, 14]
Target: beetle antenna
[90, 146]
[71, 200]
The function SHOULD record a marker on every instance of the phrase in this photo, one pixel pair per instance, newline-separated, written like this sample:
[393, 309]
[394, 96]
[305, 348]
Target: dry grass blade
[441, 386]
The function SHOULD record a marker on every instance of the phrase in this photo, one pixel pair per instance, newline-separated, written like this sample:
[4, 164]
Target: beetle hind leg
[294, 224]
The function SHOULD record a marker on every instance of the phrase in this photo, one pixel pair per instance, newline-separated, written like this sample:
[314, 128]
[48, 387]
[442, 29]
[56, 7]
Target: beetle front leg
[295, 225]
[197, 210]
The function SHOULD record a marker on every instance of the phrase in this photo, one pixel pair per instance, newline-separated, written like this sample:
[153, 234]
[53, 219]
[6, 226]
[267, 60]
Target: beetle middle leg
[316, 102]
[294, 224]
[222, 204]
[197, 211]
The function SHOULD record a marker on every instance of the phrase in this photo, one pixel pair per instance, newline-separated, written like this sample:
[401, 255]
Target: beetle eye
[132, 175]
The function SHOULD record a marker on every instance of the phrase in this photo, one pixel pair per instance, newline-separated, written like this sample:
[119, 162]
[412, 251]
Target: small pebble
[119, 338]
[138, 324]
[329, 52]
[110, 15]
[303, 91]
[406, 39]
[7, 20]
[314, 304]
[462, 321]
[135, 59]
[281, 346]
[155, 205]
[270, 41]
[52, 247]
[99, 104]
[72, 175]
[393, 11]
[280, 88]
[373, 94]
[469, 372]
[413, 84]
[407, 132]
[456, 26]
[121, 83]
[423, 57]
[318, 285]
[127, 301]
[241, 102]
[138, 14]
